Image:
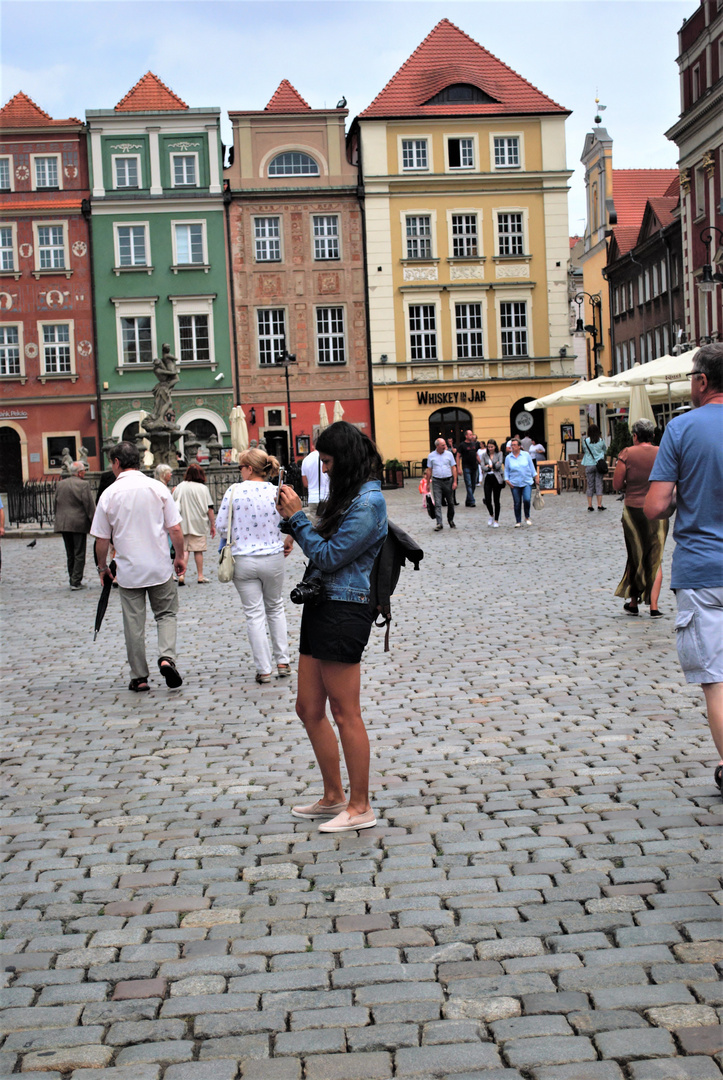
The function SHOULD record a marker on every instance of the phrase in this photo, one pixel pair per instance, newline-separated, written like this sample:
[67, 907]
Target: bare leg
[310, 708]
[341, 683]
[198, 556]
[714, 702]
[599, 500]
[655, 591]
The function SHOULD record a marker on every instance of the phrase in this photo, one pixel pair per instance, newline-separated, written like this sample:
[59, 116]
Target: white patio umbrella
[239, 430]
[665, 369]
[639, 407]
[338, 412]
[580, 393]
[323, 417]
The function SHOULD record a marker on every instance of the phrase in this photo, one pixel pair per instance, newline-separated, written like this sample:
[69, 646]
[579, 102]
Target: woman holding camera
[337, 618]
[258, 550]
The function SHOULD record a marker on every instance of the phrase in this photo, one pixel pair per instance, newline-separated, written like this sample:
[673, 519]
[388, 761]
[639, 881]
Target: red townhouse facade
[47, 355]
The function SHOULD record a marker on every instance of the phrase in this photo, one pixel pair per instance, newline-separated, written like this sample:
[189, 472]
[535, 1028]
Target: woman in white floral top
[259, 550]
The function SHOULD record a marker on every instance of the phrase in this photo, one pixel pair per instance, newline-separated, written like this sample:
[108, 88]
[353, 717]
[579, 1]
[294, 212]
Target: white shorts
[699, 634]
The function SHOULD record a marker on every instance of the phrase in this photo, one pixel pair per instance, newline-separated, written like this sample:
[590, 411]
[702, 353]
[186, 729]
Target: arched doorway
[525, 423]
[449, 424]
[11, 461]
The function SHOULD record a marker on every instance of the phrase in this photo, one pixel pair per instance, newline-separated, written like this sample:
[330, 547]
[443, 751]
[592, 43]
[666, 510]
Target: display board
[547, 477]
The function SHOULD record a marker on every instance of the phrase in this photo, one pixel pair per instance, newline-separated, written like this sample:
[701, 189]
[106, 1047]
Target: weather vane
[598, 109]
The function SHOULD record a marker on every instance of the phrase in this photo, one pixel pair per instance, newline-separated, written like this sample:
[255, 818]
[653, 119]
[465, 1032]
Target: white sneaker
[491, 521]
[527, 521]
[495, 524]
[518, 525]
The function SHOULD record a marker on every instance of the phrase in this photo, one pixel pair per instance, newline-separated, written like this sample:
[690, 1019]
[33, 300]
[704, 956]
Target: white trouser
[259, 580]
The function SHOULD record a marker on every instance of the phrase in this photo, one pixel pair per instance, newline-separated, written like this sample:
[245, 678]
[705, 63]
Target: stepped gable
[22, 112]
[150, 95]
[287, 100]
[448, 56]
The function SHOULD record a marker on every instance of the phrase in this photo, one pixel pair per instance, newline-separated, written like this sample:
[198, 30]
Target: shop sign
[451, 397]
[13, 414]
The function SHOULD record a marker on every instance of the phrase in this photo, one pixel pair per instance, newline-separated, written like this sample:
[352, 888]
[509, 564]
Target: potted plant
[394, 473]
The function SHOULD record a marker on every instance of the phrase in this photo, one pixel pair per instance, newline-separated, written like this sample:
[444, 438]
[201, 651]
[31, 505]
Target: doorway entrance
[11, 462]
[525, 423]
[449, 424]
[277, 444]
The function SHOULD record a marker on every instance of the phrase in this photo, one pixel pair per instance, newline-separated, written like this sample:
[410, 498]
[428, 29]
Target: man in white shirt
[138, 515]
[442, 471]
[316, 483]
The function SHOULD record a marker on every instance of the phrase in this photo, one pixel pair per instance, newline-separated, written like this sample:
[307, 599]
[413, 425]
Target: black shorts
[335, 630]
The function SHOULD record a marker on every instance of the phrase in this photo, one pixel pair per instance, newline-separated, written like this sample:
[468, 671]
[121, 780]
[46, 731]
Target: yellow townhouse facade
[465, 204]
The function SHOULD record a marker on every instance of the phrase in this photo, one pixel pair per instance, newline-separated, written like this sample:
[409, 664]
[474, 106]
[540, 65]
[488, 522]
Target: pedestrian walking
[493, 473]
[690, 463]
[337, 619]
[644, 540]
[468, 465]
[521, 476]
[74, 510]
[139, 514]
[441, 472]
[195, 506]
[316, 483]
[258, 550]
[595, 450]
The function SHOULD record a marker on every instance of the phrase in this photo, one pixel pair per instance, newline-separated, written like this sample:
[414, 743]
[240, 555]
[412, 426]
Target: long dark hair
[356, 460]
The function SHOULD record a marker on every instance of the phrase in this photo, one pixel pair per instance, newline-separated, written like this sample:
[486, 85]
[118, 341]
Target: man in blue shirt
[690, 459]
[442, 471]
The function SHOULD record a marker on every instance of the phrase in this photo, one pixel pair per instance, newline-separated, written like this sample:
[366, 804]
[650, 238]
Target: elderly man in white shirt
[138, 514]
[316, 483]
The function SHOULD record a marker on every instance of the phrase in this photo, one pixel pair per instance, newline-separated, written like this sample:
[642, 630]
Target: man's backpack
[396, 550]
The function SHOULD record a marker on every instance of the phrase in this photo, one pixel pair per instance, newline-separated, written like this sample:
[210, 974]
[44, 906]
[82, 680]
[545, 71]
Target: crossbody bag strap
[229, 537]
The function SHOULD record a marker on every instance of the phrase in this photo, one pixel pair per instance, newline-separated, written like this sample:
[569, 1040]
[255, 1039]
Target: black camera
[310, 591]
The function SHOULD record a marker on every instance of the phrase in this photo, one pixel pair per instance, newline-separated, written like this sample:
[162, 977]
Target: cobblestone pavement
[540, 899]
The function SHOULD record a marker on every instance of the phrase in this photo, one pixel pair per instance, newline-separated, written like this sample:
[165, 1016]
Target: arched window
[293, 163]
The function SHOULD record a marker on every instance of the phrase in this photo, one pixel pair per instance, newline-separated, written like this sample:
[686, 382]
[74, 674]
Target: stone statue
[65, 461]
[83, 456]
[166, 372]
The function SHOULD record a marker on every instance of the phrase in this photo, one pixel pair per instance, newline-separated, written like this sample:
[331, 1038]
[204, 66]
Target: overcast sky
[73, 56]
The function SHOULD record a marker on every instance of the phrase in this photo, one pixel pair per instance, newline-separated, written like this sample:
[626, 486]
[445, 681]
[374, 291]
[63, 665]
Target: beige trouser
[164, 605]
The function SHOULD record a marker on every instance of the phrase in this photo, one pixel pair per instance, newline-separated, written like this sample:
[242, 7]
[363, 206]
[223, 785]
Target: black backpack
[396, 549]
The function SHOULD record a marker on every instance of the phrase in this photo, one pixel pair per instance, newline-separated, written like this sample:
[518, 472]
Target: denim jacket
[344, 562]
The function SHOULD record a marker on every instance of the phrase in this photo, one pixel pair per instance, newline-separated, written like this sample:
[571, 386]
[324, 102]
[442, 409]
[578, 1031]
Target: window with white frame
[642, 348]
[675, 272]
[422, 332]
[51, 247]
[193, 337]
[10, 350]
[57, 359]
[326, 236]
[464, 235]
[188, 243]
[510, 234]
[625, 356]
[646, 277]
[271, 324]
[293, 163]
[513, 327]
[632, 351]
[616, 300]
[7, 248]
[5, 174]
[267, 235]
[649, 346]
[414, 154]
[330, 335]
[185, 170]
[655, 279]
[507, 151]
[663, 277]
[666, 340]
[46, 172]
[460, 153]
[641, 288]
[132, 245]
[136, 341]
[468, 326]
[618, 358]
[658, 338]
[419, 237]
[630, 296]
[127, 171]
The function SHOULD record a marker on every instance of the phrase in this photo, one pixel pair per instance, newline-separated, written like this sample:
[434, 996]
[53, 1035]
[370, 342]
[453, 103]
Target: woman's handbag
[537, 500]
[226, 564]
[601, 464]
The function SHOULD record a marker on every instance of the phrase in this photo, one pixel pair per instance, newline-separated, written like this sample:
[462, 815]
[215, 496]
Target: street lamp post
[285, 359]
[594, 328]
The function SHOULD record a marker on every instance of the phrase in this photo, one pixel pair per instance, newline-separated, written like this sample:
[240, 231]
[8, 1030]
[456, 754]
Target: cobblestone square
[539, 901]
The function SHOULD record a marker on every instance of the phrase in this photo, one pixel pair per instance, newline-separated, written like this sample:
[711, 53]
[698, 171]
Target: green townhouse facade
[159, 259]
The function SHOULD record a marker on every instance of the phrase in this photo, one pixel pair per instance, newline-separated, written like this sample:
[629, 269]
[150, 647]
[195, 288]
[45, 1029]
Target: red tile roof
[150, 95]
[448, 56]
[663, 208]
[626, 237]
[633, 187]
[22, 112]
[574, 240]
[674, 186]
[287, 100]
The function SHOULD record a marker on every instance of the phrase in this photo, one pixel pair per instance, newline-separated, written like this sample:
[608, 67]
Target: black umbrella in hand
[108, 580]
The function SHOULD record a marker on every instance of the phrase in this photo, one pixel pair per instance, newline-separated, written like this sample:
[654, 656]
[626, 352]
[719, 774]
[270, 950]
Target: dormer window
[293, 163]
[460, 94]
